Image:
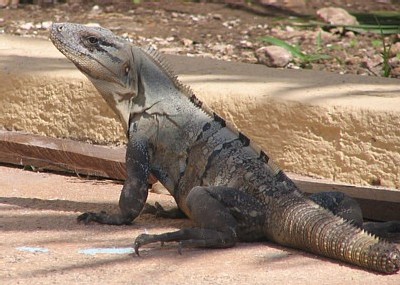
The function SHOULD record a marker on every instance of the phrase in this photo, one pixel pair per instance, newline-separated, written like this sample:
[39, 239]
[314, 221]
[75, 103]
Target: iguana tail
[299, 223]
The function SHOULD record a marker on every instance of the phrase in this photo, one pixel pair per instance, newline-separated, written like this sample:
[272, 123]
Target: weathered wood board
[17, 148]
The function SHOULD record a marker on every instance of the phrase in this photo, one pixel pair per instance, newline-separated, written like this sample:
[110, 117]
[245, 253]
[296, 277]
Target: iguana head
[104, 58]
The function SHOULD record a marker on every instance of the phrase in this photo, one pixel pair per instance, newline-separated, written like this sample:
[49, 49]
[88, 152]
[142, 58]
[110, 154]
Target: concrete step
[340, 127]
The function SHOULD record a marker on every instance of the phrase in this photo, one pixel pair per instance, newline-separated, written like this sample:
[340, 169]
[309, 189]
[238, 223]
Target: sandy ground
[38, 213]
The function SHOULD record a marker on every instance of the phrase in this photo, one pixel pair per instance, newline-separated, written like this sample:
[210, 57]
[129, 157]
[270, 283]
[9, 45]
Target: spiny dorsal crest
[159, 59]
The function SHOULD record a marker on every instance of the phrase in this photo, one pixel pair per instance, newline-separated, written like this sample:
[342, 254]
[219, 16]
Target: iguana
[219, 178]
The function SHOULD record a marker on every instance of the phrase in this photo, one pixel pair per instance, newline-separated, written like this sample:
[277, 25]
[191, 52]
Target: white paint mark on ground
[33, 249]
[112, 250]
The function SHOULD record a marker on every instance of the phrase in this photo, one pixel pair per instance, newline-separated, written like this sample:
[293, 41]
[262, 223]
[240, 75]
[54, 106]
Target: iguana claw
[104, 218]
[136, 247]
[180, 248]
[89, 217]
[139, 241]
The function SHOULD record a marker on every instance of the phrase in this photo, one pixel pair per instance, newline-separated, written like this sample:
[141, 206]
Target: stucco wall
[346, 128]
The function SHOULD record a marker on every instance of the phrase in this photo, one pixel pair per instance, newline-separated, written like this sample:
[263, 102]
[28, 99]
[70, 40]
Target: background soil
[221, 31]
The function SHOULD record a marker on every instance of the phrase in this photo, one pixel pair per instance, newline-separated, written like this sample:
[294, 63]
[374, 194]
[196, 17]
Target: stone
[95, 10]
[273, 56]
[299, 6]
[336, 16]
[27, 26]
[246, 44]
[395, 72]
[395, 49]
[186, 42]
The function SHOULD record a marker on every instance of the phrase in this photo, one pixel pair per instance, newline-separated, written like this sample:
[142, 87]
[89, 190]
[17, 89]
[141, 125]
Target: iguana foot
[196, 237]
[159, 211]
[103, 218]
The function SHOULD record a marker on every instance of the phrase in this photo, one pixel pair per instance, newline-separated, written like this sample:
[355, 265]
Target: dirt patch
[220, 31]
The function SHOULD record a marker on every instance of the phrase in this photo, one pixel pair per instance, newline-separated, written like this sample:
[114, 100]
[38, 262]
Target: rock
[395, 49]
[46, 25]
[394, 62]
[289, 29]
[293, 5]
[223, 48]
[395, 72]
[27, 26]
[186, 42]
[273, 56]
[350, 34]
[336, 16]
[249, 56]
[372, 64]
[171, 50]
[217, 17]
[92, 24]
[231, 24]
[246, 44]
[96, 10]
[352, 60]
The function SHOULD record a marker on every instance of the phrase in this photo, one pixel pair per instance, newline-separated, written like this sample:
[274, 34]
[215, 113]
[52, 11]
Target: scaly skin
[300, 226]
[218, 177]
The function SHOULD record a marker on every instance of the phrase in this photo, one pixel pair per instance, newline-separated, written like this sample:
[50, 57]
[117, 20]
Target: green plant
[319, 42]
[386, 68]
[386, 56]
[305, 59]
[353, 43]
[376, 43]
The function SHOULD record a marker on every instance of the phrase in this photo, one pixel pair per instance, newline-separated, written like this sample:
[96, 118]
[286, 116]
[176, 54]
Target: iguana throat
[106, 60]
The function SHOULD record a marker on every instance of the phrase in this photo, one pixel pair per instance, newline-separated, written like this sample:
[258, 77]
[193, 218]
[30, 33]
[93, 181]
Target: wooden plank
[377, 203]
[376, 193]
[60, 154]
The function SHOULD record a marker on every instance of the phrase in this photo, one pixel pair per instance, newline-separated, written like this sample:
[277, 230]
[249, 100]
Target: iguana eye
[93, 40]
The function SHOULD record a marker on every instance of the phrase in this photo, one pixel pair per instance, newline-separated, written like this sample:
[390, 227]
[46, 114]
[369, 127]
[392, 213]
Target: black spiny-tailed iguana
[218, 177]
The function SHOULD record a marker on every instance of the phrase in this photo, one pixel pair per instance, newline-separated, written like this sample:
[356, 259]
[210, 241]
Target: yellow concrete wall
[345, 128]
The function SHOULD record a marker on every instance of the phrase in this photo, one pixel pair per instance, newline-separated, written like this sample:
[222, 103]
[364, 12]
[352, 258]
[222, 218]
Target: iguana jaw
[100, 56]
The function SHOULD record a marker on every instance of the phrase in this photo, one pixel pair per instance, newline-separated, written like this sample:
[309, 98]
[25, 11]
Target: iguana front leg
[223, 216]
[134, 192]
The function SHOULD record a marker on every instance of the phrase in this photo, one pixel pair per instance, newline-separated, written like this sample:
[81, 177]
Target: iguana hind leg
[349, 209]
[341, 205]
[387, 230]
[223, 216]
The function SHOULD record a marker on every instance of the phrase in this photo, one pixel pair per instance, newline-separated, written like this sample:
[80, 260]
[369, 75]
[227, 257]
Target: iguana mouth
[80, 57]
